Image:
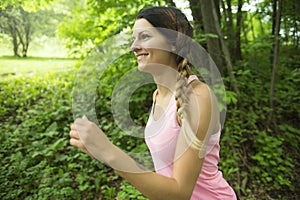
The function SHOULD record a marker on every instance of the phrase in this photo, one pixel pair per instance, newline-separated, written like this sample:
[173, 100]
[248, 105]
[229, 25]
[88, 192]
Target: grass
[15, 66]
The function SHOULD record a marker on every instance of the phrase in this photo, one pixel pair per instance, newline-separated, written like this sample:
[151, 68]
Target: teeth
[141, 56]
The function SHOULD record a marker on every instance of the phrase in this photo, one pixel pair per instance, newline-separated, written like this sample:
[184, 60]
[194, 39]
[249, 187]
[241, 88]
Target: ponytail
[181, 95]
[182, 100]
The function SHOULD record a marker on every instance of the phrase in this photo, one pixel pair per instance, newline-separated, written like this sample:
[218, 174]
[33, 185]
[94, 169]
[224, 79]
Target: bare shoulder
[204, 103]
[201, 91]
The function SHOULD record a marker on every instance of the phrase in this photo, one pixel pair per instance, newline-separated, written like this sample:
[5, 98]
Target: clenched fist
[90, 139]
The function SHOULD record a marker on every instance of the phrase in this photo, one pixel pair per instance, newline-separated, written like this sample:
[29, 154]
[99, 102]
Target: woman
[183, 129]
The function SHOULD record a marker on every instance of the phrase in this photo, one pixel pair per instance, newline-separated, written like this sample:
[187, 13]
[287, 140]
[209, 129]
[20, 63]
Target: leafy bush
[37, 160]
[256, 158]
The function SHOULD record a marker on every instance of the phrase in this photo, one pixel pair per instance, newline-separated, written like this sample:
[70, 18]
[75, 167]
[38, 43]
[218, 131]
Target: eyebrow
[141, 32]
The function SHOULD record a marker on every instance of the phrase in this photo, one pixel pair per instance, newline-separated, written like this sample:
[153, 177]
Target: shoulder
[203, 107]
[201, 91]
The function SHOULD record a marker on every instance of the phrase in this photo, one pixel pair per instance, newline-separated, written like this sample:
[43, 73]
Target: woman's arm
[186, 169]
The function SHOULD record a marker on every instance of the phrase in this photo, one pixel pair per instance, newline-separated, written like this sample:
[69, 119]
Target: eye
[145, 36]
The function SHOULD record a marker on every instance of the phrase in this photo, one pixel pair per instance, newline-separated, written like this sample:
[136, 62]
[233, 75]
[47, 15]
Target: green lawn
[13, 65]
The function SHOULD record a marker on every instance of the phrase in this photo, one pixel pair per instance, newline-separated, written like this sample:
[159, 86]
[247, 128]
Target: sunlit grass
[13, 65]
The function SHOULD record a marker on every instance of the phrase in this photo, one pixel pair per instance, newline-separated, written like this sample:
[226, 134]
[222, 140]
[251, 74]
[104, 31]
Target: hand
[90, 139]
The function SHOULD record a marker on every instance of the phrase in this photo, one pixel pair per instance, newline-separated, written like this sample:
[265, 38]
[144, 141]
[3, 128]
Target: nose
[135, 47]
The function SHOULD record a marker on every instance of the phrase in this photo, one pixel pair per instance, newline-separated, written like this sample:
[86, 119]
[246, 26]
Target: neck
[166, 81]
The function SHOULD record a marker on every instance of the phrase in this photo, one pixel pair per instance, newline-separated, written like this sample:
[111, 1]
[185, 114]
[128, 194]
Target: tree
[22, 26]
[216, 45]
[24, 31]
[232, 27]
[212, 38]
[10, 19]
[277, 6]
[238, 53]
[197, 16]
[19, 24]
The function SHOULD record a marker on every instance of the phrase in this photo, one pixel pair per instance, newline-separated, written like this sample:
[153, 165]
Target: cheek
[157, 45]
[164, 57]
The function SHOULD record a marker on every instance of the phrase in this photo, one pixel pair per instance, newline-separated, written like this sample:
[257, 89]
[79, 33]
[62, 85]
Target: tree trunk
[213, 43]
[296, 28]
[197, 16]
[217, 45]
[224, 14]
[217, 7]
[274, 15]
[226, 53]
[296, 35]
[238, 52]
[229, 29]
[245, 32]
[24, 40]
[278, 11]
[27, 32]
[13, 33]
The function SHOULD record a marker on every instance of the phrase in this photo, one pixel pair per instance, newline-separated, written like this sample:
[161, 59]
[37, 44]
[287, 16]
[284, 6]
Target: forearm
[153, 185]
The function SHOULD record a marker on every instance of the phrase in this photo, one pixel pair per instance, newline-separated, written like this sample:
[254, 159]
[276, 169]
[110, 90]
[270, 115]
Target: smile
[141, 56]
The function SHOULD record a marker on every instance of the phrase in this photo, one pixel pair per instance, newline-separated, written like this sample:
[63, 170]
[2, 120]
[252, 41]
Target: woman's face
[151, 48]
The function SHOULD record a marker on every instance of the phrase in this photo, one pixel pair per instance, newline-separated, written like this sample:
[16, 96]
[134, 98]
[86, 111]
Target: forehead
[141, 25]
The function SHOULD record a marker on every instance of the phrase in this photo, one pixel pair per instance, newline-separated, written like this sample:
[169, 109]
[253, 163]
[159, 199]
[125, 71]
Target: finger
[74, 134]
[76, 143]
[73, 127]
[79, 145]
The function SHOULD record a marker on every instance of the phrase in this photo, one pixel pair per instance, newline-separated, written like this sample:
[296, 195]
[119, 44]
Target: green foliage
[260, 160]
[37, 112]
[252, 154]
[34, 139]
[127, 191]
[36, 158]
[91, 22]
[34, 65]
[30, 5]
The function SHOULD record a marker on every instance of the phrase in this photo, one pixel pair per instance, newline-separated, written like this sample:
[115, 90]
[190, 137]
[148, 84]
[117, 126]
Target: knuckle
[73, 126]
[72, 134]
[72, 142]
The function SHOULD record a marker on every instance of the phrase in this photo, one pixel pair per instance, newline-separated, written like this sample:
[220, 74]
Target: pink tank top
[161, 137]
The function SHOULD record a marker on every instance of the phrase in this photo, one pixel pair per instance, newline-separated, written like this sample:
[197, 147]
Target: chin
[151, 68]
[143, 68]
